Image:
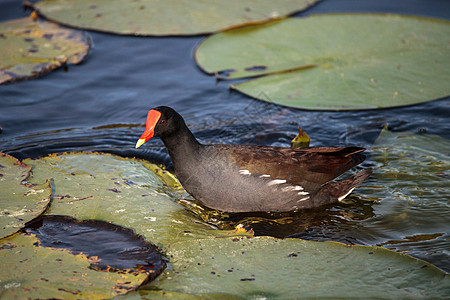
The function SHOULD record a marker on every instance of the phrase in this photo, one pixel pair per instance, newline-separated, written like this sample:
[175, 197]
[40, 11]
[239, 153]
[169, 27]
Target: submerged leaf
[19, 203]
[32, 48]
[168, 17]
[32, 272]
[265, 267]
[336, 61]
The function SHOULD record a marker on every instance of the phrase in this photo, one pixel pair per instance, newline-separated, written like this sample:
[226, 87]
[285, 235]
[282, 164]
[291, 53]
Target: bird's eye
[163, 122]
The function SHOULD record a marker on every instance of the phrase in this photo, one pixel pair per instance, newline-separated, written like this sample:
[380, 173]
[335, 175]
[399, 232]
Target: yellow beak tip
[139, 143]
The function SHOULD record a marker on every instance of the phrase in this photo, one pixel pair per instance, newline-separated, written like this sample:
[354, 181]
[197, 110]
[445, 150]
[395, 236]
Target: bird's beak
[152, 119]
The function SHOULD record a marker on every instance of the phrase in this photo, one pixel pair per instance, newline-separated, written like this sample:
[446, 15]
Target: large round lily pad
[335, 62]
[32, 48]
[266, 267]
[128, 192]
[19, 203]
[32, 272]
[168, 17]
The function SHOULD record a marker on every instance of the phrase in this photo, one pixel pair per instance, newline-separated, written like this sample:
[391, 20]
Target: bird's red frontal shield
[152, 119]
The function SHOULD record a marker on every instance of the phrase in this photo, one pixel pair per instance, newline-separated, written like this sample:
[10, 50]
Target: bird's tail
[338, 190]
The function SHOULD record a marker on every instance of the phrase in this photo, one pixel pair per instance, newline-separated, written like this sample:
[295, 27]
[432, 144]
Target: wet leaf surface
[169, 17]
[336, 61]
[30, 48]
[265, 267]
[19, 203]
[110, 247]
[31, 271]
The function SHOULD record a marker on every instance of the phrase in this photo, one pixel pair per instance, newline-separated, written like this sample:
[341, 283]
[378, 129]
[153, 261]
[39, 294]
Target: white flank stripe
[276, 181]
[342, 197]
[303, 193]
[264, 175]
[244, 172]
[288, 188]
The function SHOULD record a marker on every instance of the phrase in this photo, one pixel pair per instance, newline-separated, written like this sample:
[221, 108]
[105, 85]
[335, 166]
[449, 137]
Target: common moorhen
[235, 178]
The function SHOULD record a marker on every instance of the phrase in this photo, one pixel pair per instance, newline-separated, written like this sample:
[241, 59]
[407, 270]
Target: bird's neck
[182, 146]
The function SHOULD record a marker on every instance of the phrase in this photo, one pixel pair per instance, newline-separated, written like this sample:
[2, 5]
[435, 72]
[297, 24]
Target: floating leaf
[169, 17]
[128, 192]
[110, 247]
[335, 62]
[19, 203]
[33, 272]
[301, 140]
[32, 48]
[265, 267]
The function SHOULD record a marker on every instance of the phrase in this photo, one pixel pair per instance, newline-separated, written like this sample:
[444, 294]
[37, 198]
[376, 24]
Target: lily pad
[169, 17]
[265, 267]
[19, 203]
[30, 271]
[32, 48]
[336, 61]
[127, 192]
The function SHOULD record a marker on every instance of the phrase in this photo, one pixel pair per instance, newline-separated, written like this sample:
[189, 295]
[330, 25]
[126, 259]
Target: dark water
[111, 247]
[101, 105]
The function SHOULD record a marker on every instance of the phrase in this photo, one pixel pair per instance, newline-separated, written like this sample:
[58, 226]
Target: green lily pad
[265, 267]
[169, 17]
[127, 192]
[19, 203]
[32, 48]
[33, 272]
[336, 61]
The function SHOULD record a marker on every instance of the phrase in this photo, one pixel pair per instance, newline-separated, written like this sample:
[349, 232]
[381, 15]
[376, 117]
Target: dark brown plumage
[236, 178]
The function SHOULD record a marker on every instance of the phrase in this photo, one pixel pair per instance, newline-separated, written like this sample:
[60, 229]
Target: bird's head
[162, 121]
